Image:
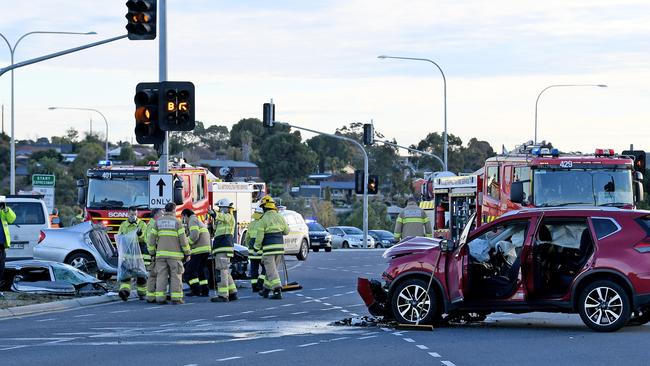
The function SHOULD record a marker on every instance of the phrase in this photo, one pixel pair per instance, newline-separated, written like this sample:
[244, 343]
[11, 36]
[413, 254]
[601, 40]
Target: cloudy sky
[318, 61]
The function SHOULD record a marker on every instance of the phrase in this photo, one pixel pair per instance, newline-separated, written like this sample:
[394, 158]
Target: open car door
[456, 264]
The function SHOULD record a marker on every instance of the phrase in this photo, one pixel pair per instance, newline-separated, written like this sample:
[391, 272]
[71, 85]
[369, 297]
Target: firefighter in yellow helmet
[269, 238]
[223, 250]
[170, 249]
[257, 276]
[199, 238]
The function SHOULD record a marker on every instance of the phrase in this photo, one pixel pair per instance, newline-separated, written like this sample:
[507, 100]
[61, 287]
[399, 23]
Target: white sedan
[349, 237]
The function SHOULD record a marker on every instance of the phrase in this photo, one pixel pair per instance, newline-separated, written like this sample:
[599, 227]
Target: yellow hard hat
[268, 203]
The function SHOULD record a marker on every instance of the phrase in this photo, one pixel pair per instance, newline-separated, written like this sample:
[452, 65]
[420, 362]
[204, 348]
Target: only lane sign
[160, 190]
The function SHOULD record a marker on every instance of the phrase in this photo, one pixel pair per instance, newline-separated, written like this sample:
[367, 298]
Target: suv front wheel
[604, 306]
[411, 303]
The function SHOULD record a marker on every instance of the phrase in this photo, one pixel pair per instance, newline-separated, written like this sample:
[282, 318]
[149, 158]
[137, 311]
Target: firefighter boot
[265, 293]
[277, 294]
[178, 302]
[124, 294]
[195, 290]
[219, 299]
[205, 290]
[233, 297]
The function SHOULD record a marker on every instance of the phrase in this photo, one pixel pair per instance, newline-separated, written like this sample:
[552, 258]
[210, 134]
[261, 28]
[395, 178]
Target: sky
[318, 61]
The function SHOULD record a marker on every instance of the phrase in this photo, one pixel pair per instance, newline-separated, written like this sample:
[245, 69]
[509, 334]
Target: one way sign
[160, 190]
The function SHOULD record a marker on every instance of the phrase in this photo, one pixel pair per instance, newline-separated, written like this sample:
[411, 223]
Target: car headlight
[328, 237]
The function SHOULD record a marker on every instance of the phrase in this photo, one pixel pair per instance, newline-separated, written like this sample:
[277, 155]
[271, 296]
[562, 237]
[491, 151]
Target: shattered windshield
[71, 275]
[118, 193]
[602, 187]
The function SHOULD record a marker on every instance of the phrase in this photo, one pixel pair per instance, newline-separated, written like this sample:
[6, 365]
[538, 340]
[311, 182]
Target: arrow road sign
[160, 190]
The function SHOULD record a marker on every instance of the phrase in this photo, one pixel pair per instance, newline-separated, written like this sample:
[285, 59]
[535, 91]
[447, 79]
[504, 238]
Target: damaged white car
[46, 277]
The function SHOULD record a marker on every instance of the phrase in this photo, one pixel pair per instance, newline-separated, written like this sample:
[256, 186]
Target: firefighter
[269, 238]
[223, 250]
[133, 223]
[170, 249]
[78, 218]
[156, 213]
[7, 217]
[412, 221]
[257, 277]
[199, 238]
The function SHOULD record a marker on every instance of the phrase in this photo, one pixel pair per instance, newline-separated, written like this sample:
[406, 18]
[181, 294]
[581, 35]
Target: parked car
[383, 238]
[85, 246]
[31, 218]
[319, 238]
[591, 261]
[349, 237]
[297, 242]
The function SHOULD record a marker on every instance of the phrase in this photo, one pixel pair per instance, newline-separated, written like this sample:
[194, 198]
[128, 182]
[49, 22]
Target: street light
[444, 81]
[558, 86]
[91, 110]
[12, 51]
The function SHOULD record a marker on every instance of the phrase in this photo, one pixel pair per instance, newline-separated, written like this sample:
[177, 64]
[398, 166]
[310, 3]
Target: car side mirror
[178, 192]
[638, 176]
[639, 194]
[446, 245]
[517, 194]
[81, 192]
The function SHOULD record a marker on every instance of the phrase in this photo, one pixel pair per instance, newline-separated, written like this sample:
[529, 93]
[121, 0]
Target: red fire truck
[111, 190]
[537, 176]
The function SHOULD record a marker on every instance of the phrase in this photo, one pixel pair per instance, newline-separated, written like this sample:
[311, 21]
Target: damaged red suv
[591, 261]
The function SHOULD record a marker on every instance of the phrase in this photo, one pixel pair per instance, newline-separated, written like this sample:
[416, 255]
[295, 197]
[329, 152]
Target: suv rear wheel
[411, 303]
[604, 306]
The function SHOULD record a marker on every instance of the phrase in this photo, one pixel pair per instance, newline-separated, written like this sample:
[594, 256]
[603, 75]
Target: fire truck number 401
[566, 164]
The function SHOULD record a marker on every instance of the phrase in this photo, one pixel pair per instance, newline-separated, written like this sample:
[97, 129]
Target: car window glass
[567, 233]
[27, 213]
[504, 238]
[314, 226]
[352, 231]
[604, 227]
[493, 188]
[299, 219]
[334, 231]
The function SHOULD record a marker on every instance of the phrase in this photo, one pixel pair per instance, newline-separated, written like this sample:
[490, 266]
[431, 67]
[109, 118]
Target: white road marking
[287, 305]
[191, 364]
[271, 308]
[332, 308]
[448, 363]
[223, 316]
[59, 341]
[228, 358]
[339, 286]
[410, 340]
[300, 295]
[307, 344]
[434, 354]
[247, 312]
[237, 321]
[350, 292]
[421, 346]
[154, 307]
[269, 317]
[366, 337]
[300, 313]
[271, 351]
[167, 324]
[203, 325]
[384, 329]
[197, 320]
[399, 334]
[83, 315]
[326, 303]
[354, 314]
[338, 339]
[46, 320]
[10, 348]
[337, 295]
[345, 311]
[318, 289]
[119, 311]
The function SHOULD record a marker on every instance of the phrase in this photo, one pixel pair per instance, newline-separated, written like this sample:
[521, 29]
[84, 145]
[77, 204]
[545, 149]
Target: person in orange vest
[55, 220]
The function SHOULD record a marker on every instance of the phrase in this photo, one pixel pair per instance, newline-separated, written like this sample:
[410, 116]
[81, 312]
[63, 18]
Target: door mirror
[178, 192]
[639, 195]
[81, 192]
[517, 194]
[638, 176]
[446, 245]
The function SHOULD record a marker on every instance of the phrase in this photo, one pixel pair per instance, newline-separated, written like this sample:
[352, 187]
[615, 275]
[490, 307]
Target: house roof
[338, 185]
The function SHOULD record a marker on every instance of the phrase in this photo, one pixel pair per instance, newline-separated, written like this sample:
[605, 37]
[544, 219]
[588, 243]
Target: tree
[378, 218]
[49, 153]
[284, 159]
[332, 153]
[126, 153]
[434, 144]
[475, 154]
[254, 125]
[90, 153]
[214, 138]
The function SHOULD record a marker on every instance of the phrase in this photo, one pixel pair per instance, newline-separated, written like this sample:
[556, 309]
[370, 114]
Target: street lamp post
[558, 86]
[91, 110]
[12, 51]
[444, 81]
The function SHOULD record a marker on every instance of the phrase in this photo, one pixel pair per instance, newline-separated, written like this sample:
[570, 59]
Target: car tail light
[643, 246]
[41, 237]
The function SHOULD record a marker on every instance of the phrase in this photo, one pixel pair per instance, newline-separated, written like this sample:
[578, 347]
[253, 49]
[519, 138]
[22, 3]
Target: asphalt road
[296, 330]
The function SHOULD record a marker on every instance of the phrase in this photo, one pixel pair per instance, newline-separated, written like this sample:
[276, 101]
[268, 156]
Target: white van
[31, 218]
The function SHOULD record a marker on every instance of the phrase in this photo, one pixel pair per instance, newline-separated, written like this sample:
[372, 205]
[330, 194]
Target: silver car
[348, 237]
[84, 246]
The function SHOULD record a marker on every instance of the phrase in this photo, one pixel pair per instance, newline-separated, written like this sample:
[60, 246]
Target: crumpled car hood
[411, 245]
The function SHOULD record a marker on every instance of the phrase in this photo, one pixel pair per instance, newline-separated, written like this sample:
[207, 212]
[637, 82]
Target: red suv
[591, 261]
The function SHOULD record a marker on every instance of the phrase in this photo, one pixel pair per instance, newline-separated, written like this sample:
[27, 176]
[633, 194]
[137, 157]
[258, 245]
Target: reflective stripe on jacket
[7, 217]
[270, 232]
[168, 238]
[224, 224]
[199, 236]
[412, 221]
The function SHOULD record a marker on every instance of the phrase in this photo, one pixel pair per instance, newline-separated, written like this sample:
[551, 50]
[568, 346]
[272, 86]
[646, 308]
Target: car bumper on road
[374, 296]
[316, 243]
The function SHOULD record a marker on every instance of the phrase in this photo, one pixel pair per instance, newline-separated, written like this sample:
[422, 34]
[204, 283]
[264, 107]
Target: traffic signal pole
[365, 172]
[386, 142]
[163, 164]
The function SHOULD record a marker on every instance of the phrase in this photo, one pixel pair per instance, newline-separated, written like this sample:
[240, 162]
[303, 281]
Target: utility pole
[162, 74]
[3, 119]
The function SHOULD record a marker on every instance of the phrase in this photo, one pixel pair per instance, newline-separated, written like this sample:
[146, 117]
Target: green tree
[49, 153]
[434, 143]
[332, 153]
[90, 153]
[285, 159]
[475, 154]
[378, 218]
[325, 213]
[126, 153]
[254, 125]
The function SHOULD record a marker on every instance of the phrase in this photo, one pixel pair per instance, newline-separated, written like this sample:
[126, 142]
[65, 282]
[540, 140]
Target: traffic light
[639, 159]
[358, 181]
[368, 134]
[141, 17]
[147, 128]
[268, 114]
[373, 184]
[176, 106]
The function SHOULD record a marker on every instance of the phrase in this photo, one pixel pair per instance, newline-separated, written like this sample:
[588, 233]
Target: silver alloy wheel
[304, 249]
[603, 306]
[82, 264]
[413, 303]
